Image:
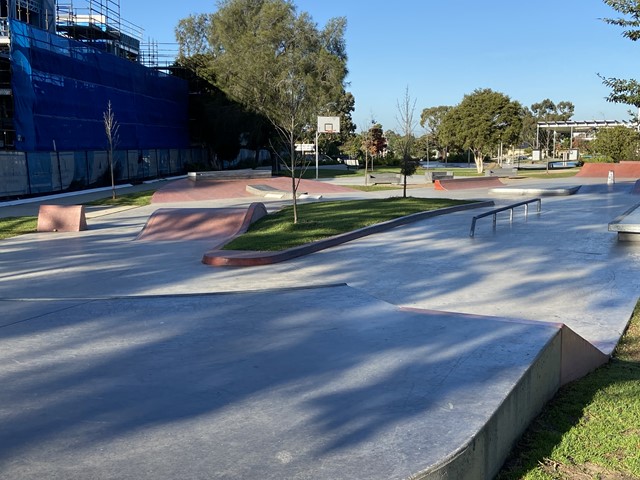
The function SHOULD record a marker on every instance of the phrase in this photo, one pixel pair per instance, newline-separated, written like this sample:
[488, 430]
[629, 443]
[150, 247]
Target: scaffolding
[99, 24]
[40, 13]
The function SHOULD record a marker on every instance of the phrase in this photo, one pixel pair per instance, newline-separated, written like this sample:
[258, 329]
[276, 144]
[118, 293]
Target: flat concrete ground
[132, 359]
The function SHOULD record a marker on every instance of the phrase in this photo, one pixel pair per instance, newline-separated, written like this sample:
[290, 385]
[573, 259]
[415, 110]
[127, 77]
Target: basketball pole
[317, 150]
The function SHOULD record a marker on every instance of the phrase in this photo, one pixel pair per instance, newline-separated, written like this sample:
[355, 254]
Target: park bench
[433, 176]
[352, 163]
[627, 225]
[377, 178]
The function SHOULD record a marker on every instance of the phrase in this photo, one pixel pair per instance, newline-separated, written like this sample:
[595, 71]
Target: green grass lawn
[138, 199]
[325, 219]
[591, 429]
[13, 226]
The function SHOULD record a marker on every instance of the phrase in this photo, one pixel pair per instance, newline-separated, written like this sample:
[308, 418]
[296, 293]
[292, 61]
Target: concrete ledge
[237, 258]
[536, 192]
[627, 225]
[379, 178]
[229, 174]
[61, 218]
[267, 191]
[467, 183]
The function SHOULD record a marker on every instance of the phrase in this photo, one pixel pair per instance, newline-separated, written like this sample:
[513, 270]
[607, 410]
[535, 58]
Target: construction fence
[33, 173]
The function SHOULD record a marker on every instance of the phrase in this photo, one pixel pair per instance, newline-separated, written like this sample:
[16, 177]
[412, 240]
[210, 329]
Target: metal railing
[503, 209]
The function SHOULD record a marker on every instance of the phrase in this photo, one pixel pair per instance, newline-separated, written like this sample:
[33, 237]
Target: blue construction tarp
[61, 89]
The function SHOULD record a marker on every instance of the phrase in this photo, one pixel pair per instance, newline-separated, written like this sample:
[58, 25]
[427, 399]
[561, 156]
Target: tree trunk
[478, 158]
[292, 151]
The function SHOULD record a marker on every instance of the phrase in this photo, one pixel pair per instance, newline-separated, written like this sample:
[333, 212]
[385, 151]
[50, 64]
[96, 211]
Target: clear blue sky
[442, 50]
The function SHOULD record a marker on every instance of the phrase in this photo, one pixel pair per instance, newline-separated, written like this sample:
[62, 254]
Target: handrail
[502, 209]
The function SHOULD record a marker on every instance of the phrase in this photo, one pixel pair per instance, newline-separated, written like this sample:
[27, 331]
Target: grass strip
[138, 199]
[591, 428]
[320, 220]
[13, 226]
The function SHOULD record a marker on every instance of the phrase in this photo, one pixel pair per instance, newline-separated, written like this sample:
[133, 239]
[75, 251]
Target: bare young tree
[406, 110]
[111, 128]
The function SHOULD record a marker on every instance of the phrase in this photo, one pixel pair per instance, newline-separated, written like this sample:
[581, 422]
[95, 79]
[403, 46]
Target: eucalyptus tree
[276, 62]
[546, 111]
[431, 119]
[481, 122]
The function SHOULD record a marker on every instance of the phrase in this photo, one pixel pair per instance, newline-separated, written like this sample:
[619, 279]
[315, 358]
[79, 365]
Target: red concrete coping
[601, 170]
[243, 258]
[467, 183]
[61, 218]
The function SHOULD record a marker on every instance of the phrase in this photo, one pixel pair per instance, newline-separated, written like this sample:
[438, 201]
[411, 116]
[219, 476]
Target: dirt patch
[587, 471]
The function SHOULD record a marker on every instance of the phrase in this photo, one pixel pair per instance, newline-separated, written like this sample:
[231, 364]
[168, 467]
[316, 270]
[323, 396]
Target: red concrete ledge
[61, 218]
[467, 183]
[245, 258]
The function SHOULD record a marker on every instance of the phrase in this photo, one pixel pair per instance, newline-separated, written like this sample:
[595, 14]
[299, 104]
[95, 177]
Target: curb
[244, 258]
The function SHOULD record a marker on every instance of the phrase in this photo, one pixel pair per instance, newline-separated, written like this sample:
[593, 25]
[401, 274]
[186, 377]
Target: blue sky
[442, 50]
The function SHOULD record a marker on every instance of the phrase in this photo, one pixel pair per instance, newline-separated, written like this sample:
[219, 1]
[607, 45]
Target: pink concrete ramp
[217, 225]
[185, 190]
[601, 170]
[468, 183]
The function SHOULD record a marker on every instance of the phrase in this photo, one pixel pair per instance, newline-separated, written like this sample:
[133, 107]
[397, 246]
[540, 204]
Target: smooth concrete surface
[101, 335]
[319, 383]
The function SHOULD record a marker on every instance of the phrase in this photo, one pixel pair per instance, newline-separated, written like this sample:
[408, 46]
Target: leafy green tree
[276, 62]
[481, 121]
[431, 119]
[624, 91]
[618, 143]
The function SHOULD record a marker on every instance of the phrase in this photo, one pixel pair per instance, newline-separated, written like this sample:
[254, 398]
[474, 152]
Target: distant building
[60, 66]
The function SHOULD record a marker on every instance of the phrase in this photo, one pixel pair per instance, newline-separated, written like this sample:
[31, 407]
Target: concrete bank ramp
[215, 224]
[321, 383]
[601, 170]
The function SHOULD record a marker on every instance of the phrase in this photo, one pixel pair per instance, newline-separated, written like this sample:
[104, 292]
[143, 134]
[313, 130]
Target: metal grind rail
[503, 209]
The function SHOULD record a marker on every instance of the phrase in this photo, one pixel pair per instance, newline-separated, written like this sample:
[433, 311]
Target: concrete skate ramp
[321, 383]
[468, 183]
[601, 170]
[215, 224]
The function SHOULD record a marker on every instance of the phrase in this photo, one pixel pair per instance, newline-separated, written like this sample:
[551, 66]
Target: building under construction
[61, 65]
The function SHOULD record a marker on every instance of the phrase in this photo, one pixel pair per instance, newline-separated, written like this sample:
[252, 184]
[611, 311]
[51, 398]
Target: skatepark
[412, 352]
